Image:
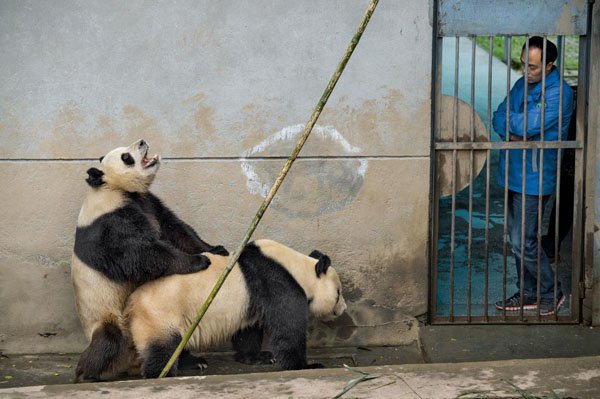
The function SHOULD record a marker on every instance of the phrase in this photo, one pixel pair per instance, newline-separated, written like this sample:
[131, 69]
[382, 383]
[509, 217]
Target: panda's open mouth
[147, 163]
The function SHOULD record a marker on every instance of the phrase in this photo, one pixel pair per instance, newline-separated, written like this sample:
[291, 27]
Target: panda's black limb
[289, 349]
[219, 250]
[105, 354]
[123, 246]
[158, 353]
[181, 235]
[287, 334]
[247, 344]
[274, 297]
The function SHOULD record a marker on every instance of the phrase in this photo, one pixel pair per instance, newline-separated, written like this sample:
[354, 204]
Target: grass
[571, 49]
[364, 376]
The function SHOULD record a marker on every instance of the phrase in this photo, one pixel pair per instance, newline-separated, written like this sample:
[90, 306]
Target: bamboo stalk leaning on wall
[282, 174]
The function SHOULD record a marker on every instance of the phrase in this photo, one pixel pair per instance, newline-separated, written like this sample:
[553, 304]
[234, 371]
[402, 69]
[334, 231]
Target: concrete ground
[451, 362]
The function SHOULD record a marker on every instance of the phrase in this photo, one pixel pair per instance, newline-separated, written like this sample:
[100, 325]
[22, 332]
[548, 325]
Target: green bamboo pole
[267, 201]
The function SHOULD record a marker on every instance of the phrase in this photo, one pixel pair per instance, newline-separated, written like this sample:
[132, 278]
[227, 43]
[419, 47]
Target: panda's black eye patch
[127, 159]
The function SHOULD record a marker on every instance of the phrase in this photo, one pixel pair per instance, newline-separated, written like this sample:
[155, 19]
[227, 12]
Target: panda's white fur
[325, 293]
[272, 288]
[125, 236]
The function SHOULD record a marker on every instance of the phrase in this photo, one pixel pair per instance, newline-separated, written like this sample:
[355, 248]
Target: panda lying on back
[271, 289]
[125, 237]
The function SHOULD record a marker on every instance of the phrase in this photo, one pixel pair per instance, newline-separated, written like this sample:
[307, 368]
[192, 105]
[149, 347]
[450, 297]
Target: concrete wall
[207, 84]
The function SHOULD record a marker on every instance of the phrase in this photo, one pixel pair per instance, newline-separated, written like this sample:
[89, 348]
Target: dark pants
[567, 187]
[565, 216]
[530, 258]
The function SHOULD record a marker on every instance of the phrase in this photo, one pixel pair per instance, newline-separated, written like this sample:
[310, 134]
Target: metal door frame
[451, 19]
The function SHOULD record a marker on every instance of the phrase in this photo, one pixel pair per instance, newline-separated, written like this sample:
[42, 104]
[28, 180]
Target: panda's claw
[203, 365]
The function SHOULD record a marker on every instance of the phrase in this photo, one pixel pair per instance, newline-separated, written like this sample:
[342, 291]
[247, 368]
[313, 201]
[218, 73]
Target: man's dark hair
[538, 42]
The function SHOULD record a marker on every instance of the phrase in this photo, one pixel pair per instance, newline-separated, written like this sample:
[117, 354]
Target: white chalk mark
[256, 186]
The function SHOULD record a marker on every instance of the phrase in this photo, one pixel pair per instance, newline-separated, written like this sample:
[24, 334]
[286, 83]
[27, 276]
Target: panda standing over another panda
[271, 291]
[125, 237]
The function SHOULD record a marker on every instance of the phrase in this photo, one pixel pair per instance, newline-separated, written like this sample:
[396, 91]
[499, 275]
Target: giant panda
[272, 289]
[125, 237]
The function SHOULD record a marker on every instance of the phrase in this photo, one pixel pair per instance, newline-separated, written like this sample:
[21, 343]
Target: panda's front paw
[219, 250]
[200, 262]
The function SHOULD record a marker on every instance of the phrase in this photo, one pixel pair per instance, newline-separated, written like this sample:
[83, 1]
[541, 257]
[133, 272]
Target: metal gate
[473, 263]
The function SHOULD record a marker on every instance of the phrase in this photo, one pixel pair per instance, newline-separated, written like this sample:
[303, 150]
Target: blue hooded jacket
[534, 116]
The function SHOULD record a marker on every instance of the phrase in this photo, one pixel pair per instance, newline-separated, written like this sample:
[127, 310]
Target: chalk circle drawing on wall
[314, 186]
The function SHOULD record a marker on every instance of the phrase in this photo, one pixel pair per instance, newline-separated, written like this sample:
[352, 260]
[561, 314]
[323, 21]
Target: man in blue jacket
[516, 132]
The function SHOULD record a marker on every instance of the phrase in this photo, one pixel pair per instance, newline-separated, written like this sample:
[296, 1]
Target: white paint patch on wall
[254, 182]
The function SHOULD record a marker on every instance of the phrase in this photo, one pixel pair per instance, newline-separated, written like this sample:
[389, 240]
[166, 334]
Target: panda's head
[126, 168]
[326, 302]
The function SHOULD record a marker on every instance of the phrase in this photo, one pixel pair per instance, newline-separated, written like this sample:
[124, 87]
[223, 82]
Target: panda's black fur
[125, 237]
[124, 246]
[270, 291]
[279, 304]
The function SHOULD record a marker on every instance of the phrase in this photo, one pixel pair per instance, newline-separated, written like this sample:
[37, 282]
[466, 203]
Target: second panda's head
[326, 301]
[126, 168]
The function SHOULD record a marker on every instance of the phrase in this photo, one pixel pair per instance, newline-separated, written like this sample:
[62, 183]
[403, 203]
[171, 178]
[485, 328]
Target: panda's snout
[142, 143]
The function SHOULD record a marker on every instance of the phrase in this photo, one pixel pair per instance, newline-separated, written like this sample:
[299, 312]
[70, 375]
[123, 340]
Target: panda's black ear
[94, 178]
[323, 263]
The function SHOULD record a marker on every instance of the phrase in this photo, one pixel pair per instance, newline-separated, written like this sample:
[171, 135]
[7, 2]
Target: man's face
[534, 70]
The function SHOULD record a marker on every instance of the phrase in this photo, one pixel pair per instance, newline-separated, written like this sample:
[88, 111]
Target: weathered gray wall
[208, 84]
